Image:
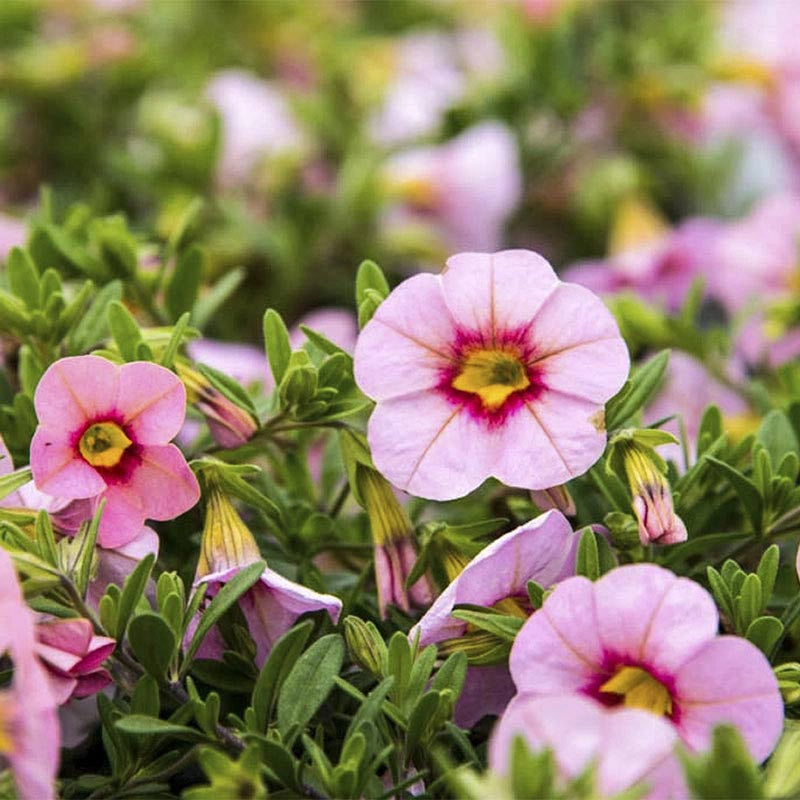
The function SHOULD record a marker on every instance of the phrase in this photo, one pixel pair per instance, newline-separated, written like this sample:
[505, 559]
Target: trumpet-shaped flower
[542, 550]
[272, 605]
[627, 747]
[73, 656]
[104, 433]
[643, 638]
[493, 368]
[29, 730]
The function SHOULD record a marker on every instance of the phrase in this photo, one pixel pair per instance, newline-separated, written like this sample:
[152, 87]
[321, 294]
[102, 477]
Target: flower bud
[556, 497]
[652, 498]
[365, 644]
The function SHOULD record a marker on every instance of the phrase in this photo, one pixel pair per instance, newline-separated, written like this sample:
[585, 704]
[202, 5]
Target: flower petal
[59, 471]
[496, 292]
[74, 391]
[729, 681]
[429, 447]
[412, 332]
[123, 517]
[552, 654]
[164, 482]
[152, 401]
[486, 690]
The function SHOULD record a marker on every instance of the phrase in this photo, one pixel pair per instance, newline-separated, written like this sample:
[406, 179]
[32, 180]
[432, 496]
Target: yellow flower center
[493, 375]
[639, 690]
[103, 444]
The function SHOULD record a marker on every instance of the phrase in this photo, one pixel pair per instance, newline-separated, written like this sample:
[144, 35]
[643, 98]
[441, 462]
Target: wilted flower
[542, 550]
[273, 604]
[104, 433]
[627, 747]
[467, 187]
[29, 730]
[72, 655]
[493, 368]
[643, 638]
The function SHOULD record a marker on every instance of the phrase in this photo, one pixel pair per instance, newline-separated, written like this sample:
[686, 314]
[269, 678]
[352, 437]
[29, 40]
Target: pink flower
[104, 433]
[627, 747]
[466, 188]
[337, 324]
[542, 550]
[245, 363]
[29, 730]
[73, 656]
[642, 637]
[257, 123]
[494, 367]
[13, 233]
[272, 605]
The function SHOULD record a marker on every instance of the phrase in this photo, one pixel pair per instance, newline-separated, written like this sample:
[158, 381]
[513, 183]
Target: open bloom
[29, 730]
[644, 638]
[542, 550]
[272, 605]
[494, 367]
[73, 656]
[104, 433]
[627, 747]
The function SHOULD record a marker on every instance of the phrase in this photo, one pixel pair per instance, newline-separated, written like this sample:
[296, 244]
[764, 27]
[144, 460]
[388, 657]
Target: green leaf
[451, 674]
[748, 603]
[182, 289]
[282, 657]
[153, 643]
[310, 682]
[370, 277]
[86, 539]
[11, 482]
[92, 327]
[764, 633]
[140, 725]
[777, 435]
[767, 571]
[23, 277]
[748, 493]
[132, 591]
[276, 341]
[636, 392]
[722, 594]
[588, 559]
[145, 699]
[175, 341]
[504, 626]
[184, 225]
[124, 329]
[212, 300]
[226, 597]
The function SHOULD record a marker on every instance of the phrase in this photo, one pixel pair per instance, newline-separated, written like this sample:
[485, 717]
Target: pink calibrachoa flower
[542, 550]
[104, 433]
[644, 638]
[626, 746]
[493, 368]
[464, 189]
[73, 656]
[29, 731]
[272, 605]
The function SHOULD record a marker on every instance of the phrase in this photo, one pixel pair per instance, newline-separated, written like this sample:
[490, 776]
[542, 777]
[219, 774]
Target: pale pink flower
[257, 123]
[245, 363]
[465, 189]
[13, 233]
[627, 747]
[73, 656]
[339, 325]
[104, 433]
[542, 550]
[493, 368]
[644, 638]
[29, 730]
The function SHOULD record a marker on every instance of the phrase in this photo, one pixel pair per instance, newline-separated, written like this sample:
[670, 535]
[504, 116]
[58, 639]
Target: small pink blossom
[29, 730]
[72, 655]
[644, 638]
[104, 433]
[465, 189]
[542, 550]
[627, 747]
[493, 368]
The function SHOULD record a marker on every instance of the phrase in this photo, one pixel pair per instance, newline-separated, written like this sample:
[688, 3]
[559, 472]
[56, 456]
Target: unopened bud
[365, 644]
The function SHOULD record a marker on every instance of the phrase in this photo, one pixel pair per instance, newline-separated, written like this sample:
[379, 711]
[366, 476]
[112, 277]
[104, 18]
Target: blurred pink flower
[13, 233]
[29, 730]
[542, 550]
[337, 324]
[627, 747]
[72, 655]
[104, 433]
[245, 363]
[257, 123]
[465, 189]
[644, 638]
[494, 367]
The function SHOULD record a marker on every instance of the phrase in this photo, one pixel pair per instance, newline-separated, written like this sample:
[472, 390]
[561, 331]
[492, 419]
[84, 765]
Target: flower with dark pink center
[493, 368]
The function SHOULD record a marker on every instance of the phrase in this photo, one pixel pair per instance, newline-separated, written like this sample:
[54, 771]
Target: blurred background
[648, 149]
